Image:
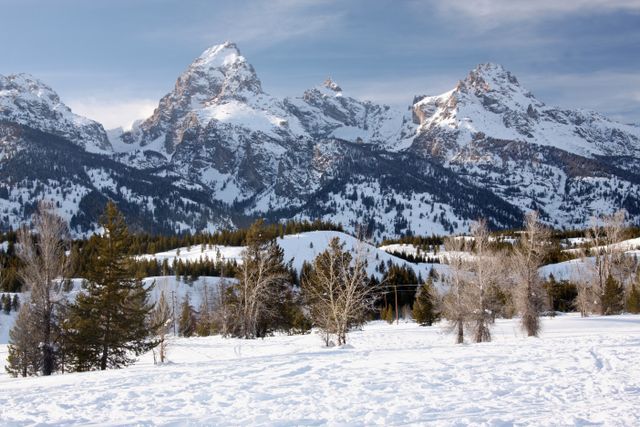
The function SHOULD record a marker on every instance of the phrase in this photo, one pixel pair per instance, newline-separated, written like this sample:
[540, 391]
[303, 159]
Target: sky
[112, 60]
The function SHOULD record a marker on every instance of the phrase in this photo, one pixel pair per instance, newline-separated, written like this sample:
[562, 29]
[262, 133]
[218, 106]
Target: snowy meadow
[581, 371]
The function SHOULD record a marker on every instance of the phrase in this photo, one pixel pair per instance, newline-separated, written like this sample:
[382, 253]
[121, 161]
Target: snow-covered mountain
[228, 151]
[491, 103]
[567, 164]
[27, 101]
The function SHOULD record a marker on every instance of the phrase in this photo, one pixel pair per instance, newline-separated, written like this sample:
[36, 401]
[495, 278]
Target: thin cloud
[113, 113]
[494, 12]
[260, 24]
[614, 94]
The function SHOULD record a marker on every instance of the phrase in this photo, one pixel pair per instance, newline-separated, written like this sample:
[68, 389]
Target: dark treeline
[82, 251]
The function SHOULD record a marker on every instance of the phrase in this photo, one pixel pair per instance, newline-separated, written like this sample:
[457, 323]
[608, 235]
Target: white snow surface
[582, 371]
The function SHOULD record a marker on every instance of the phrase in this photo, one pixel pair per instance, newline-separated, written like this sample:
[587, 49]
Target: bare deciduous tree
[527, 258]
[454, 308]
[223, 308]
[43, 266]
[162, 321]
[260, 281]
[337, 291]
[608, 256]
[477, 297]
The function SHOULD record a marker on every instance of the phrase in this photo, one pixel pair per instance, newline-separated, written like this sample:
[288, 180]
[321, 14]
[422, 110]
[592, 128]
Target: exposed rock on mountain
[219, 150]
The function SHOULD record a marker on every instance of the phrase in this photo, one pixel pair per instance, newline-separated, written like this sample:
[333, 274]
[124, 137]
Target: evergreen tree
[613, 297]
[25, 357]
[187, 321]
[424, 308]
[6, 304]
[633, 301]
[107, 324]
[387, 314]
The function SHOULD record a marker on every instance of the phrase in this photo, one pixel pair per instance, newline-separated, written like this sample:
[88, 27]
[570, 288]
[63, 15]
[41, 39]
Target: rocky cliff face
[224, 150]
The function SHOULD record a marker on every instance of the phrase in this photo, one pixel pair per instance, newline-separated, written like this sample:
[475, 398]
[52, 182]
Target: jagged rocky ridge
[218, 151]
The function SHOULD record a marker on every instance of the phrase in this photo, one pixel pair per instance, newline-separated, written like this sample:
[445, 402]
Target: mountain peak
[489, 76]
[27, 83]
[26, 100]
[331, 85]
[220, 72]
[220, 55]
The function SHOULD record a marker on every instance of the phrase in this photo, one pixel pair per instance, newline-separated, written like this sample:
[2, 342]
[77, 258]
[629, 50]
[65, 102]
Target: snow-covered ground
[580, 372]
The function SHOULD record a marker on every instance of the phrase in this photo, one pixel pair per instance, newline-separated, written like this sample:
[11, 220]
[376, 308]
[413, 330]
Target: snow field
[580, 372]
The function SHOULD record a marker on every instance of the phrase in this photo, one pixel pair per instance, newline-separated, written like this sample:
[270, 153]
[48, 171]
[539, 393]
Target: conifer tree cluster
[9, 303]
[108, 323]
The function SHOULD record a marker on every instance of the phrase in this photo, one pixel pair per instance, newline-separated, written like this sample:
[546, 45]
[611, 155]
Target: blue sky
[113, 60]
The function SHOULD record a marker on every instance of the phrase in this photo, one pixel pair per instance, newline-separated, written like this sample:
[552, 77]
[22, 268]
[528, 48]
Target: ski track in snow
[580, 372]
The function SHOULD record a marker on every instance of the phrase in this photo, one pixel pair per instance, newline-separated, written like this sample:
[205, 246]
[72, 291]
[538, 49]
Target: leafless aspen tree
[527, 258]
[337, 291]
[608, 256]
[261, 278]
[162, 319]
[44, 264]
[584, 301]
[223, 308]
[476, 296]
[454, 308]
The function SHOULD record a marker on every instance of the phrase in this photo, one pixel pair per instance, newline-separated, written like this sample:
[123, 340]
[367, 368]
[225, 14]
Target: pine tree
[25, 357]
[107, 324]
[424, 308]
[187, 321]
[387, 314]
[6, 304]
[633, 300]
[613, 297]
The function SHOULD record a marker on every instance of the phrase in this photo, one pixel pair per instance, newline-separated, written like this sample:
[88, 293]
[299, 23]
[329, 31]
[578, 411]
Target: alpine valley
[219, 151]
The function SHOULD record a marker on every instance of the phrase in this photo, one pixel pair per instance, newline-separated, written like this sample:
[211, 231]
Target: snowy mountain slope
[79, 183]
[491, 102]
[28, 101]
[325, 112]
[581, 371]
[488, 148]
[570, 165]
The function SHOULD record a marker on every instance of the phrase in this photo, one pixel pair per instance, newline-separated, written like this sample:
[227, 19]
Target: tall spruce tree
[6, 304]
[107, 324]
[613, 298]
[424, 308]
[633, 300]
[187, 321]
[25, 356]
